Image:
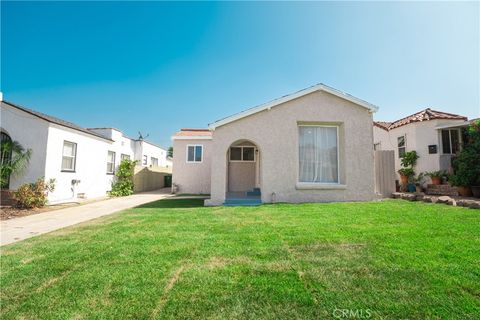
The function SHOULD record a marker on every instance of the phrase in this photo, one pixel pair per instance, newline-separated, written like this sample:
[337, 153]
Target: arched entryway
[243, 171]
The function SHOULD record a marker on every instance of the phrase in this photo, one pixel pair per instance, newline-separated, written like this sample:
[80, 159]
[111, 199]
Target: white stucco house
[436, 136]
[314, 145]
[82, 161]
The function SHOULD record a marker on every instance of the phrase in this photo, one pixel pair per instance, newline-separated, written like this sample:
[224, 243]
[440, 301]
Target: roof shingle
[424, 115]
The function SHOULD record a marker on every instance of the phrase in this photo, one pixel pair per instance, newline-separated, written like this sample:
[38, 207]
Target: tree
[170, 152]
[13, 160]
[467, 164]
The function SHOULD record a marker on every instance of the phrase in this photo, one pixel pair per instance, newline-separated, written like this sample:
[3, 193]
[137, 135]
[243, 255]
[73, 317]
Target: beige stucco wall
[419, 135]
[275, 132]
[191, 177]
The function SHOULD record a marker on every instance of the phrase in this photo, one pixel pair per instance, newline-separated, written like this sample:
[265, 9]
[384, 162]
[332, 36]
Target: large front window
[450, 141]
[318, 154]
[69, 156]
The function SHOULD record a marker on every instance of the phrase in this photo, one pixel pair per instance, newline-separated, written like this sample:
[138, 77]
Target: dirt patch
[164, 298]
[7, 213]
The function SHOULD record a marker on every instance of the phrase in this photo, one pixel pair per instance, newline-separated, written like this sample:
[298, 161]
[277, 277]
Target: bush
[123, 184]
[437, 174]
[33, 195]
[466, 165]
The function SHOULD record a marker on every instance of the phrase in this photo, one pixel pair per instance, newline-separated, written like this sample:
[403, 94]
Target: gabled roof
[188, 133]
[424, 115]
[55, 120]
[318, 87]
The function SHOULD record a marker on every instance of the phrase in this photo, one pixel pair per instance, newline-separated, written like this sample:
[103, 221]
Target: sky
[156, 67]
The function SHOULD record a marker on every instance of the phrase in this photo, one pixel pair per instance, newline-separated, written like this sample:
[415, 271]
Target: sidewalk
[25, 227]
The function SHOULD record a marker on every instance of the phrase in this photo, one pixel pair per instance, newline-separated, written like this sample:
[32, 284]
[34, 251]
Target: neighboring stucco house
[82, 161]
[434, 135]
[311, 146]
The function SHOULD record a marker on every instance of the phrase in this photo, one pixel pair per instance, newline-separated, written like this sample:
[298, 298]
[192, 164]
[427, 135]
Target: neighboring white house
[310, 146]
[436, 137]
[82, 161]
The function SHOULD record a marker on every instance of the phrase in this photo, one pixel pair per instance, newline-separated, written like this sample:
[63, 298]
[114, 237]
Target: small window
[154, 162]
[242, 154]
[111, 162]
[69, 156]
[401, 146]
[194, 153]
[124, 156]
[450, 141]
[145, 159]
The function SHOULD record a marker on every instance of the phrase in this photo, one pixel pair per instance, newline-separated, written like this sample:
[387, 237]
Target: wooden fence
[148, 179]
[384, 172]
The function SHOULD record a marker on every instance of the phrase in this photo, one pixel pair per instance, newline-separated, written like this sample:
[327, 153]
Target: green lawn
[175, 259]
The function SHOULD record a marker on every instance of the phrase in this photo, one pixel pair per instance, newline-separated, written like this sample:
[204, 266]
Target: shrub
[33, 195]
[123, 184]
[466, 165]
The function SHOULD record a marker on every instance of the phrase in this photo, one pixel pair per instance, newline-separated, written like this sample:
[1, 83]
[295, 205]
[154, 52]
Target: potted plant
[405, 175]
[436, 176]
[462, 182]
[408, 161]
[419, 180]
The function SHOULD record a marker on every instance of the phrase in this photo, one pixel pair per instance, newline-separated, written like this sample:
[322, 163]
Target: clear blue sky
[156, 67]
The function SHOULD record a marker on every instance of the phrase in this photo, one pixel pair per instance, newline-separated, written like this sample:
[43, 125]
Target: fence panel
[384, 172]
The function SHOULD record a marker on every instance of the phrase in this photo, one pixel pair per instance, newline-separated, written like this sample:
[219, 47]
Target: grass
[174, 259]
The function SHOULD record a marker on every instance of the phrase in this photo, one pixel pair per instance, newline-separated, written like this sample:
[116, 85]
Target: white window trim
[74, 157]
[319, 185]
[114, 160]
[242, 146]
[404, 144]
[450, 140]
[194, 147]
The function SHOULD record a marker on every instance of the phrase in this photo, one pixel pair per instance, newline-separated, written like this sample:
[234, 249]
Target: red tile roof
[424, 115]
[187, 132]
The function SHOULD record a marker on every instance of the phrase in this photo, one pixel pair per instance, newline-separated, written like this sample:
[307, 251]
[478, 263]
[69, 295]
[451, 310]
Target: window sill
[319, 186]
[110, 173]
[68, 171]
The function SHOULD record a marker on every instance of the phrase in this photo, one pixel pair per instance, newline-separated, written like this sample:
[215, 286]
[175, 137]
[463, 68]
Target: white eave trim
[454, 125]
[319, 87]
[191, 137]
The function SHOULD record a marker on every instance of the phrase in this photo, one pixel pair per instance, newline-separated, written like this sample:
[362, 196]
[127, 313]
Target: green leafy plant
[170, 152]
[409, 159]
[34, 195]
[123, 184]
[419, 179]
[436, 174]
[466, 165]
[408, 172]
[14, 158]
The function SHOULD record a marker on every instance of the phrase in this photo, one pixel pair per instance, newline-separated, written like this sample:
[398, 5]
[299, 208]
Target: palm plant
[14, 158]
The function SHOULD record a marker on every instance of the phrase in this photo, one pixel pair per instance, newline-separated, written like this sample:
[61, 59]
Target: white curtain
[318, 154]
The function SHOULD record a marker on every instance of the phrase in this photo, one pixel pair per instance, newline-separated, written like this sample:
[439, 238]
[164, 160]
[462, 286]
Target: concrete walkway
[25, 227]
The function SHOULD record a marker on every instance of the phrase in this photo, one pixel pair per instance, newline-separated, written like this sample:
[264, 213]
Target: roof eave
[267, 106]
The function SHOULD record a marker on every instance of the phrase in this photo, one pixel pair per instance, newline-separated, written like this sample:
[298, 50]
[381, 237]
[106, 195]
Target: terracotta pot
[476, 191]
[436, 180]
[403, 179]
[464, 191]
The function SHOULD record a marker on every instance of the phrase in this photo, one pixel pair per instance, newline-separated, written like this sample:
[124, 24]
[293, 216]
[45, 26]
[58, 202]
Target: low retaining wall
[451, 201]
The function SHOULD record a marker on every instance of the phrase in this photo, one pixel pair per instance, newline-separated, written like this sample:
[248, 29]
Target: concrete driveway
[25, 227]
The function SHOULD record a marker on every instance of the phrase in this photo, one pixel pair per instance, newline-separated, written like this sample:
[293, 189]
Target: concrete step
[254, 192]
[243, 202]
